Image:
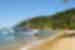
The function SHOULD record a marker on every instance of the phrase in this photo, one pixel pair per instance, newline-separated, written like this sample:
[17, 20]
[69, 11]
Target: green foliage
[65, 19]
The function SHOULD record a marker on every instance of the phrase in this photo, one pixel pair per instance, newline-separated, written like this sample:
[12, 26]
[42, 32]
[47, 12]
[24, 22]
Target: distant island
[60, 20]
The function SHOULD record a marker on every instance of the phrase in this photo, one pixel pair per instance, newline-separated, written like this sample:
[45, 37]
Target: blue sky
[14, 11]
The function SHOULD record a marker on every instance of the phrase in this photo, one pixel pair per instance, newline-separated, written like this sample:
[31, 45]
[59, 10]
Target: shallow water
[14, 39]
[9, 40]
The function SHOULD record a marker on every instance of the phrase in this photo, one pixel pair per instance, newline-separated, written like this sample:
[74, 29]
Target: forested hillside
[60, 20]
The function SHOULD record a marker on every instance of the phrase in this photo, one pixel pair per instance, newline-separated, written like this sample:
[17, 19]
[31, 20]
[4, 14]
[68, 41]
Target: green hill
[60, 20]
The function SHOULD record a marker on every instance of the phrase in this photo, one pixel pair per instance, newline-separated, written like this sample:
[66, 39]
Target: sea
[13, 39]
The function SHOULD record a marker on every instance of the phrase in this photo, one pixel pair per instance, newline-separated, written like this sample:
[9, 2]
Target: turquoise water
[8, 39]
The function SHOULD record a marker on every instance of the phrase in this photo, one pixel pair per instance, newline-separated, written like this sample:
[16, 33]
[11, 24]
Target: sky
[14, 11]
